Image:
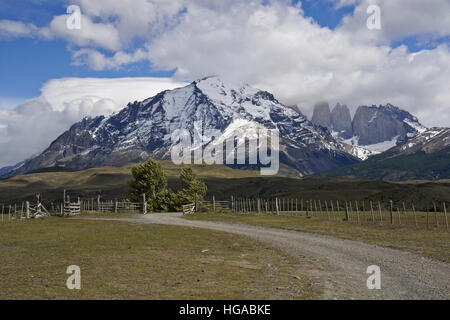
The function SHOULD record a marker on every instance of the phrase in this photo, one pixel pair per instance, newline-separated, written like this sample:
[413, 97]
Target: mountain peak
[224, 91]
[145, 129]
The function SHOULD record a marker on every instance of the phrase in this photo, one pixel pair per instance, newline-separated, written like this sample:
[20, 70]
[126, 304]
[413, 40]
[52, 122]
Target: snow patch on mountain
[364, 152]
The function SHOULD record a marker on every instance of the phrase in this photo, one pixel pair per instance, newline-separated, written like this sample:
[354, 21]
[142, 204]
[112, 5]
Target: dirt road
[339, 265]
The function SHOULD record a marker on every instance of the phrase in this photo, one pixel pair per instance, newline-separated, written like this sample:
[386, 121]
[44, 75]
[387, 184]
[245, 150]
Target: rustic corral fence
[24, 210]
[188, 208]
[434, 217]
[361, 212]
[112, 206]
[68, 207]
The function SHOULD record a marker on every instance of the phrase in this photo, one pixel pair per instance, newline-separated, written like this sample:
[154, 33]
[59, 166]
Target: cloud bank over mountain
[33, 124]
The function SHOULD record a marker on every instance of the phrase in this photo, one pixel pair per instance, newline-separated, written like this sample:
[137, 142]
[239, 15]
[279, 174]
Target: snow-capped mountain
[373, 130]
[5, 170]
[430, 141]
[144, 129]
[424, 157]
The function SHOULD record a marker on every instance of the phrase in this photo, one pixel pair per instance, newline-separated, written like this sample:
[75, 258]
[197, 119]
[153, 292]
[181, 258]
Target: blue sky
[27, 63]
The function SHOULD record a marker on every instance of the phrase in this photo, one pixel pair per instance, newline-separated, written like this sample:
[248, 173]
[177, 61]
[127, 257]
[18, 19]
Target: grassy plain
[132, 261]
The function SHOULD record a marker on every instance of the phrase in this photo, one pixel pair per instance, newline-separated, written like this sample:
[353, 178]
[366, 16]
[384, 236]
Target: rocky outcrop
[373, 129]
[322, 115]
[374, 125]
[341, 121]
[424, 157]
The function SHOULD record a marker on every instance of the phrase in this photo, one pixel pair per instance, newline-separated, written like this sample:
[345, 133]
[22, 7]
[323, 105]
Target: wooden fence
[71, 208]
[188, 209]
[25, 210]
[114, 206]
[212, 206]
[375, 212]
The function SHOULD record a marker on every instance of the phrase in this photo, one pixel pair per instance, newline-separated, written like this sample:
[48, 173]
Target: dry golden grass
[132, 261]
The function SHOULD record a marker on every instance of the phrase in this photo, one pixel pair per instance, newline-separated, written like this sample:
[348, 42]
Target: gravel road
[339, 266]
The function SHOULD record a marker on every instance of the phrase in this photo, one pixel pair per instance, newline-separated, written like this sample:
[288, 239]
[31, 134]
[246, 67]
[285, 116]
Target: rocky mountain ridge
[144, 129]
[373, 129]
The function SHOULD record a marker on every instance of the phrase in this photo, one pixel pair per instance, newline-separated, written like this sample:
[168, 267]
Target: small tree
[149, 178]
[191, 187]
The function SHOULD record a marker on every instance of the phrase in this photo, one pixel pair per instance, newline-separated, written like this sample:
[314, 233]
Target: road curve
[340, 265]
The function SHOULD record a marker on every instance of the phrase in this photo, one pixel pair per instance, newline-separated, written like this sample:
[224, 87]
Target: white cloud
[135, 18]
[33, 124]
[16, 29]
[102, 35]
[98, 61]
[276, 48]
[399, 19]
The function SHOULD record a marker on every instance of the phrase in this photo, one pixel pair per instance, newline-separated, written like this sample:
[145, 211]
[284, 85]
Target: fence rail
[71, 208]
[188, 209]
[435, 216]
[375, 212]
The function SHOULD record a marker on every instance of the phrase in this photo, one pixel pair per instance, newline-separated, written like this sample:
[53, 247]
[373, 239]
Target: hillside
[222, 182]
[425, 157]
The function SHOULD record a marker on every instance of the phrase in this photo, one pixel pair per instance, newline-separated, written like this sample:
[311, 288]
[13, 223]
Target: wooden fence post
[381, 213]
[214, 204]
[351, 216]
[307, 209]
[436, 215]
[391, 214]
[338, 210]
[406, 216]
[414, 212]
[446, 218]
[315, 209]
[371, 210]
[357, 210]
[346, 211]
[144, 204]
[27, 208]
